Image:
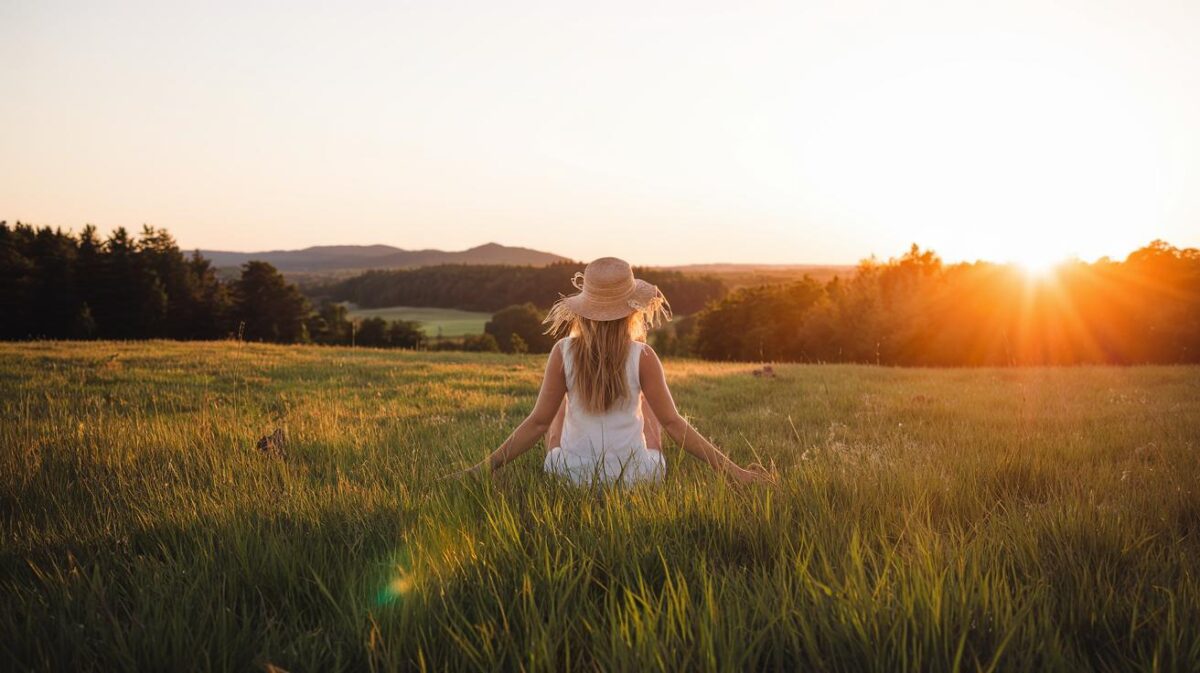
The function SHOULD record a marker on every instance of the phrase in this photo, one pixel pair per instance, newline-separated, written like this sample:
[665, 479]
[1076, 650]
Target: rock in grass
[273, 445]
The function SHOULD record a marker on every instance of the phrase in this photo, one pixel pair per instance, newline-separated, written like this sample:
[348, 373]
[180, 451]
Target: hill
[357, 257]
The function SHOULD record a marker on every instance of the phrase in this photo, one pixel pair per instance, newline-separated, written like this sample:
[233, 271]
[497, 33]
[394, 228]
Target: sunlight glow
[994, 159]
[1039, 264]
[817, 132]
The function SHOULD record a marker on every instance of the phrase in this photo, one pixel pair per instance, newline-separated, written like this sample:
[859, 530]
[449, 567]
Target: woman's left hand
[461, 474]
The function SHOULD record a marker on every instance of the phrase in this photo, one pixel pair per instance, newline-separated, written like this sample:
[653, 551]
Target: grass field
[452, 322]
[1039, 519]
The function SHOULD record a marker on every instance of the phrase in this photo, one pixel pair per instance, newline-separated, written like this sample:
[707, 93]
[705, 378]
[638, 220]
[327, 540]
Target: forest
[910, 310]
[493, 287]
[916, 310]
[61, 286]
[57, 285]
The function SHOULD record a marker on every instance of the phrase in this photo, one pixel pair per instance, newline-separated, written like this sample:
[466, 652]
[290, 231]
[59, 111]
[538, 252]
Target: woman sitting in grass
[607, 427]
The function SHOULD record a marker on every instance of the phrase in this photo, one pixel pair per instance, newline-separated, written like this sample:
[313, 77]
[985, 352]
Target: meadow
[449, 322]
[923, 519]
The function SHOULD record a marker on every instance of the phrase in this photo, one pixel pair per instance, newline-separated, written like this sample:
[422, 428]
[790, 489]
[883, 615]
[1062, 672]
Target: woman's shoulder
[562, 348]
[640, 353]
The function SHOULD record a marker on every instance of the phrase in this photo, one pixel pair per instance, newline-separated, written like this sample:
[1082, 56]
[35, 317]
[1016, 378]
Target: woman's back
[608, 316]
[609, 445]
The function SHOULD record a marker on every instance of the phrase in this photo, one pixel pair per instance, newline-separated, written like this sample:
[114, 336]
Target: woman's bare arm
[550, 397]
[658, 395]
[554, 434]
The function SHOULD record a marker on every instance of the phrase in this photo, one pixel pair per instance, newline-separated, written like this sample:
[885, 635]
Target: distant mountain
[355, 257]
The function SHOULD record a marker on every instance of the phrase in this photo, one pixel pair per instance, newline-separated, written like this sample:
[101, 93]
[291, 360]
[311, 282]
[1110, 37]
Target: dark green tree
[406, 334]
[373, 333]
[480, 343]
[267, 307]
[518, 344]
[16, 282]
[131, 303]
[523, 320]
[330, 324]
[209, 304]
[58, 312]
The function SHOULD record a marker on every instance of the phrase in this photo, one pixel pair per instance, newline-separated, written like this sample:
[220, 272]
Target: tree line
[915, 310]
[62, 286]
[911, 310]
[59, 285]
[492, 288]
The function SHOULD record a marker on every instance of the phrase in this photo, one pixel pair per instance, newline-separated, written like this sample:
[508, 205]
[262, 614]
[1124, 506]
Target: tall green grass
[1025, 519]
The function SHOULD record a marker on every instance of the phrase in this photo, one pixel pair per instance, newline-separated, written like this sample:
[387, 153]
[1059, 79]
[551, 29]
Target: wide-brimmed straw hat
[608, 291]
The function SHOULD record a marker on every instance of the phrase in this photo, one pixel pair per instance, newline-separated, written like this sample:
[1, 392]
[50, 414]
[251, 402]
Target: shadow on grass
[208, 594]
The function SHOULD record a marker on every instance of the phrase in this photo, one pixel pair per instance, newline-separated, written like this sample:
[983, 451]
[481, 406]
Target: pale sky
[793, 132]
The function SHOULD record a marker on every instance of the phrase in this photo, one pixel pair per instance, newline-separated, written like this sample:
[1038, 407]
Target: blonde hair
[599, 351]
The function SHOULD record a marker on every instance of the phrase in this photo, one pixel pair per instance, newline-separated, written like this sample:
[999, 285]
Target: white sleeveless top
[610, 446]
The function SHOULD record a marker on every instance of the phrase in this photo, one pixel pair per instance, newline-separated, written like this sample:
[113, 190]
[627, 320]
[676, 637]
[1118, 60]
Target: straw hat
[608, 291]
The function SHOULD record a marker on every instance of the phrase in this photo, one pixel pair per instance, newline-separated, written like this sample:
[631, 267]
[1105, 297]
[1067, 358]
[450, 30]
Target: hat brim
[586, 306]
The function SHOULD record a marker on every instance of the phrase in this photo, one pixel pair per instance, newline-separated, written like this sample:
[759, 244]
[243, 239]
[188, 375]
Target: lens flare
[397, 588]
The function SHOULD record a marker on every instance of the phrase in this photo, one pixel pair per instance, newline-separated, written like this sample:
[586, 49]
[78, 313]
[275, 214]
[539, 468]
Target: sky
[661, 132]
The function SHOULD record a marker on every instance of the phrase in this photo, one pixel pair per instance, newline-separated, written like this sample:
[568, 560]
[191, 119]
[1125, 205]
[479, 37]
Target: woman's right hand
[753, 474]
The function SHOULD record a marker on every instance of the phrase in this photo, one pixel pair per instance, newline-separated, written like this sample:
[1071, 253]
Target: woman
[604, 393]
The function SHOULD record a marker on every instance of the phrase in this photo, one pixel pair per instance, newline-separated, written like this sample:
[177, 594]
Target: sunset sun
[1039, 264]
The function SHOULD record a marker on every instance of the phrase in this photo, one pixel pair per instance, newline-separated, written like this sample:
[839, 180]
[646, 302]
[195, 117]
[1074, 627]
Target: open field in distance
[452, 322]
[989, 519]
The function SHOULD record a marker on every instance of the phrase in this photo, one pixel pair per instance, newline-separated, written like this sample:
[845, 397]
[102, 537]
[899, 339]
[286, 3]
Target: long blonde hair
[599, 350]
